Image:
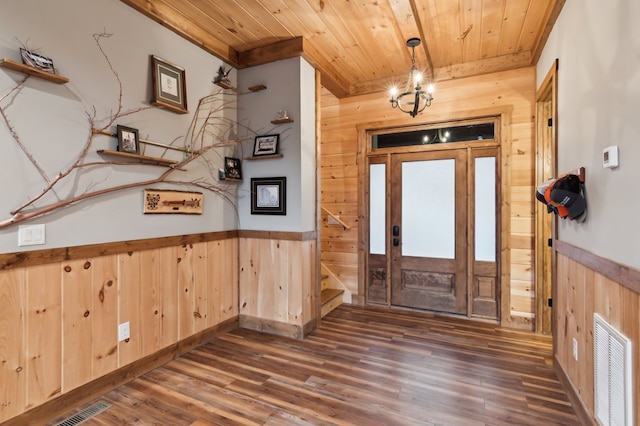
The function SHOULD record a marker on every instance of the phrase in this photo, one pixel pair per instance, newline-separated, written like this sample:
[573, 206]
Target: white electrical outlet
[123, 331]
[575, 349]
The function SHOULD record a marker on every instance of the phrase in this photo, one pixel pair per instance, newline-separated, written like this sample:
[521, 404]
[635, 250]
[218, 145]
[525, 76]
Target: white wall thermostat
[610, 157]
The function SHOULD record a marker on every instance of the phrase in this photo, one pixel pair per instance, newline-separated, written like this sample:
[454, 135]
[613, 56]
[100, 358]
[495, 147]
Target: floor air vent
[612, 364]
[86, 414]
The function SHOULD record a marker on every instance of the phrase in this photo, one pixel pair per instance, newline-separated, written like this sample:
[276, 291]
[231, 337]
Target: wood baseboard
[579, 407]
[359, 300]
[276, 327]
[310, 326]
[94, 389]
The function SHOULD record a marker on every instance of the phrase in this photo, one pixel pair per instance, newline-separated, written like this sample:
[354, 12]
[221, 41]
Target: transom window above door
[435, 135]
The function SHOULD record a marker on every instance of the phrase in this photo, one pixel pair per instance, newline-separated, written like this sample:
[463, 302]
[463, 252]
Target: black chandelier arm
[416, 104]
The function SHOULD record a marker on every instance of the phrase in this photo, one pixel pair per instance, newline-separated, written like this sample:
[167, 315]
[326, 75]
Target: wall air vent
[612, 384]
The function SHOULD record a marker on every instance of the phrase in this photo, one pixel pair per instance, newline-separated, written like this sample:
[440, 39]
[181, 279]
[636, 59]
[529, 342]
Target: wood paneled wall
[586, 285]
[278, 291]
[59, 321]
[512, 91]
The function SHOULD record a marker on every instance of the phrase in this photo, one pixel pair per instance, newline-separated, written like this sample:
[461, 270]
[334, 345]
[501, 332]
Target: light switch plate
[31, 235]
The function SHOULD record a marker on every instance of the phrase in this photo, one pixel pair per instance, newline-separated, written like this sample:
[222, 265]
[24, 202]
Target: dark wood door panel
[485, 297]
[377, 287]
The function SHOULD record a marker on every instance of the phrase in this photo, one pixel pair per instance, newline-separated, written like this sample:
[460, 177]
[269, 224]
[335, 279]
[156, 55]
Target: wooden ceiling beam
[484, 66]
[279, 50]
[293, 47]
[170, 18]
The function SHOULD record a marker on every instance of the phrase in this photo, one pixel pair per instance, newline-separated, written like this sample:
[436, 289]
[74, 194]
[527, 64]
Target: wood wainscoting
[588, 284]
[60, 310]
[278, 282]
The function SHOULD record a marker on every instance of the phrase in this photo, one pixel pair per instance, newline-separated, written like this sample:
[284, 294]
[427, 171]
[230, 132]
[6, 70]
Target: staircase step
[330, 299]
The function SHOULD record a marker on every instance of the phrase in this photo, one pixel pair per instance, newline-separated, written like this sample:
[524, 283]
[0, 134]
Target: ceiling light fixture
[414, 99]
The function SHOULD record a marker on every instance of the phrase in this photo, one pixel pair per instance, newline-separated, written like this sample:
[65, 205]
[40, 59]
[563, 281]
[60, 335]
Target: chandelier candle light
[414, 99]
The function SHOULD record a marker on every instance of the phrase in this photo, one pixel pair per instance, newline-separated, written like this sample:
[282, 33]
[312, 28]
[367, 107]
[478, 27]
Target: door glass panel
[485, 214]
[428, 208]
[377, 208]
[465, 133]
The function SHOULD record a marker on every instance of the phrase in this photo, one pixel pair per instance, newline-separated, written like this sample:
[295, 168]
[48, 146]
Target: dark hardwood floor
[364, 366]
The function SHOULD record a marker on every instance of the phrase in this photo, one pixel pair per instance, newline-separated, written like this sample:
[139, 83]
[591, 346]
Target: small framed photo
[37, 61]
[128, 140]
[269, 195]
[265, 145]
[169, 87]
[232, 168]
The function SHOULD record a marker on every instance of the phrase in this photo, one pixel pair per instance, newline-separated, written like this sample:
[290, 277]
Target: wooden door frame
[545, 225]
[504, 113]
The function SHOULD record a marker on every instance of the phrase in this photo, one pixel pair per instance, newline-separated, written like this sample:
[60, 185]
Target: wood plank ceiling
[359, 46]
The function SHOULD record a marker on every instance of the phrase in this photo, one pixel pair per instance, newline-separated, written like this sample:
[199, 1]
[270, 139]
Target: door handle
[396, 231]
[396, 242]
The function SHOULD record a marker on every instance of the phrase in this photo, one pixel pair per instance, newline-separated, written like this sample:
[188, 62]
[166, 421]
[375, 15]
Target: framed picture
[232, 168]
[265, 145]
[36, 61]
[128, 140]
[169, 87]
[269, 195]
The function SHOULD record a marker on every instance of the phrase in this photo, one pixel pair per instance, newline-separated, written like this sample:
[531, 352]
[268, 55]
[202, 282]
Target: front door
[428, 234]
[441, 233]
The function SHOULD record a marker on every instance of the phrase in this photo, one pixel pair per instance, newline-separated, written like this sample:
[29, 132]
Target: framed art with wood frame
[269, 195]
[128, 140]
[169, 87]
[265, 145]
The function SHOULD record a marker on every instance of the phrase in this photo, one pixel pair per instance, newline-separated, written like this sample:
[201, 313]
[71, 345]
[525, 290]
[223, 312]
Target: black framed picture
[269, 195]
[265, 145]
[232, 168]
[128, 140]
[169, 87]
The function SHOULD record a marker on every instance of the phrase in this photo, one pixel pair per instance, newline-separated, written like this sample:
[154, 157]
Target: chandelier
[414, 99]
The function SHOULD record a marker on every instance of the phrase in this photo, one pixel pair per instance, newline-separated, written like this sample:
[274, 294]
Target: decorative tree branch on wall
[208, 132]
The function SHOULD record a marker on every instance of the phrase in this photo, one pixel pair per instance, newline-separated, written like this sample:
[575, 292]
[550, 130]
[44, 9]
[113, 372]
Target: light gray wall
[291, 86]
[598, 47]
[51, 120]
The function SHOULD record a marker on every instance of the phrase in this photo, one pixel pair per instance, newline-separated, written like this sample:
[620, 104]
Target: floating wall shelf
[36, 72]
[223, 84]
[141, 158]
[282, 121]
[264, 157]
[257, 87]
